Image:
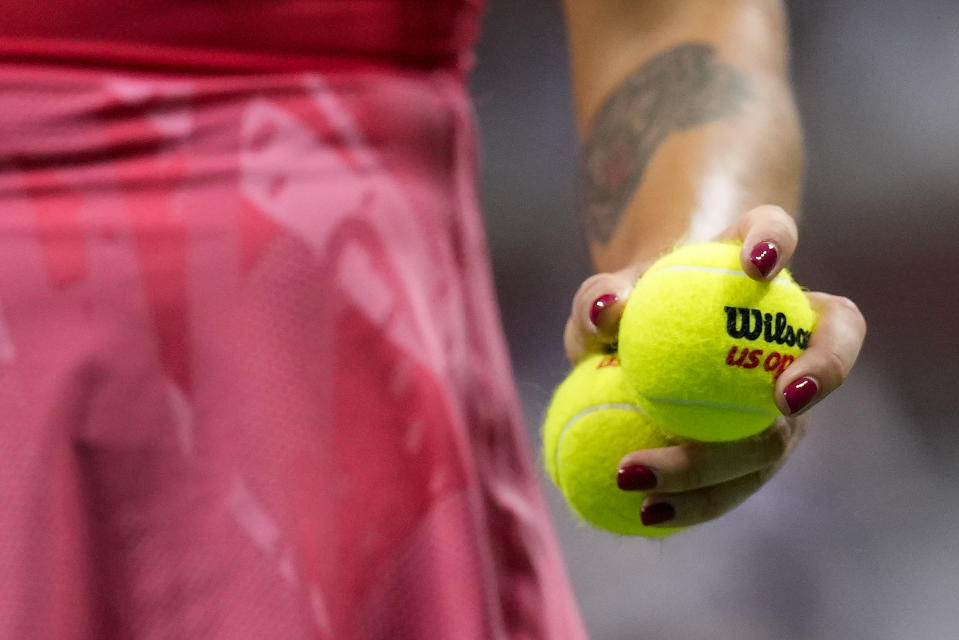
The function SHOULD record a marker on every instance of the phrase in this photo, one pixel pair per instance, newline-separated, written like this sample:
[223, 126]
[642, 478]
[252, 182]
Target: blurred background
[858, 536]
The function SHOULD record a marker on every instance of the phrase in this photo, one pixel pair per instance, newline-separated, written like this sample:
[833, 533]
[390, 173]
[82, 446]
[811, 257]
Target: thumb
[593, 323]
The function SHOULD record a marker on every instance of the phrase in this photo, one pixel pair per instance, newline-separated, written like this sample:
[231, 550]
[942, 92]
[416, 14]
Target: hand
[692, 483]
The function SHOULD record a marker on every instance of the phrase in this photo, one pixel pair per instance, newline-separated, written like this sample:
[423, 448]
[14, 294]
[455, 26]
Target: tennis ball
[591, 423]
[702, 343]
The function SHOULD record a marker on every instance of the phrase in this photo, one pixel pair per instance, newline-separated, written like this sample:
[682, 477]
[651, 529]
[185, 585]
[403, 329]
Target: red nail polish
[799, 393]
[765, 256]
[636, 477]
[657, 513]
[599, 304]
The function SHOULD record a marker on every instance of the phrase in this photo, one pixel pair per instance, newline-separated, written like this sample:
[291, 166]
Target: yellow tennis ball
[592, 422]
[702, 343]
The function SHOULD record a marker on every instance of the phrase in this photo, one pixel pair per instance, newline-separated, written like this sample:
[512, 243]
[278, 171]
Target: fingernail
[657, 513]
[764, 256]
[599, 304]
[799, 393]
[636, 477]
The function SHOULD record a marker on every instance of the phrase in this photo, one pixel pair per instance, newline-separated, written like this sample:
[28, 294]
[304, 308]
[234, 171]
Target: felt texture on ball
[702, 343]
[591, 423]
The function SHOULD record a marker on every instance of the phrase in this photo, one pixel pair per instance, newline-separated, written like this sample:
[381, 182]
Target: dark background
[858, 536]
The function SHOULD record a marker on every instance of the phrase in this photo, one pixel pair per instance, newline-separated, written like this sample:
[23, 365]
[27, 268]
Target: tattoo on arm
[679, 89]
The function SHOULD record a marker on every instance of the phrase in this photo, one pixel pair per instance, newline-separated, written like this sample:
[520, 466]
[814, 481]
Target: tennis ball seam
[624, 406]
[719, 271]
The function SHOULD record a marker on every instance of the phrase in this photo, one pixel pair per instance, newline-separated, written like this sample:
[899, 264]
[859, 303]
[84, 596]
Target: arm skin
[687, 120]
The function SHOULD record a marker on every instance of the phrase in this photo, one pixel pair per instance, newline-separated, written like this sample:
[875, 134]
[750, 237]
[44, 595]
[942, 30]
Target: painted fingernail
[657, 513]
[636, 477]
[599, 304]
[765, 256]
[799, 393]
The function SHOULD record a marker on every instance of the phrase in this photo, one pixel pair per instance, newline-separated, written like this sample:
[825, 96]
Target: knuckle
[710, 506]
[689, 474]
[834, 365]
[691, 478]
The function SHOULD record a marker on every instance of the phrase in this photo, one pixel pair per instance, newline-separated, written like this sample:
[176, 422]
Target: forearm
[686, 116]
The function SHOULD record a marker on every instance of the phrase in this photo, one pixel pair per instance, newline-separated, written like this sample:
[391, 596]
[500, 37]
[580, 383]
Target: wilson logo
[753, 324]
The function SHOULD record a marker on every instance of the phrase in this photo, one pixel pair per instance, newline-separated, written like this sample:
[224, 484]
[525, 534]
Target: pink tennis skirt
[252, 379]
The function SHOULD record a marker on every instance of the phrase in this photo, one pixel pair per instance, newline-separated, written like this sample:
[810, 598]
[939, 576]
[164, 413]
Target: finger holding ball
[832, 352]
[769, 237]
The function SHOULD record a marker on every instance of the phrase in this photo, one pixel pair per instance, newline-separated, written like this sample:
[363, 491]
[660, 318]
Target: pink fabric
[240, 35]
[252, 382]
